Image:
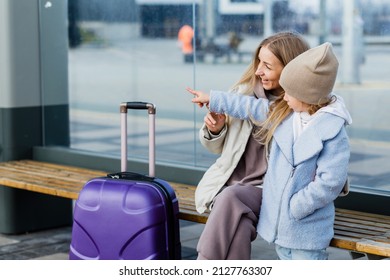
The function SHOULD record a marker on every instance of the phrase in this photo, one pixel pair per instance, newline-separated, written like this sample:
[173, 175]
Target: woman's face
[269, 70]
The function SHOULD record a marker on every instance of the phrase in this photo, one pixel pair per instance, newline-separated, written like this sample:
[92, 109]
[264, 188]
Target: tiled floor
[53, 244]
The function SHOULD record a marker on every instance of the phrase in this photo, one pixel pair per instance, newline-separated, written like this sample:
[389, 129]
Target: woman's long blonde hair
[285, 46]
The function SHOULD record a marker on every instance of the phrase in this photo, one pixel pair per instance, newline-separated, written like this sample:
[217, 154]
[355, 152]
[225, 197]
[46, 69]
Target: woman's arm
[213, 143]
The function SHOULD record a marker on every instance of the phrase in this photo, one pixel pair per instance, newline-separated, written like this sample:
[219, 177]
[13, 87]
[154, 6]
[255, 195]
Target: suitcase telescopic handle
[151, 108]
[138, 106]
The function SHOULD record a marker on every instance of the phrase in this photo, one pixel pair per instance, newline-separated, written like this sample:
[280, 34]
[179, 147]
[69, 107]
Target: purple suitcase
[127, 215]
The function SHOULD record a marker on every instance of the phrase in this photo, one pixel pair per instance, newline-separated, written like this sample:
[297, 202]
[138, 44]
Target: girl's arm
[331, 174]
[236, 105]
[200, 97]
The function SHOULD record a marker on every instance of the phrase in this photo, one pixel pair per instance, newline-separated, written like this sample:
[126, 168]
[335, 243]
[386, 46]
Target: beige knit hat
[310, 77]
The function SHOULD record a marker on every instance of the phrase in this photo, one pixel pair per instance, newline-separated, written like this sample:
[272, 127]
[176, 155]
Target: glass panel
[127, 50]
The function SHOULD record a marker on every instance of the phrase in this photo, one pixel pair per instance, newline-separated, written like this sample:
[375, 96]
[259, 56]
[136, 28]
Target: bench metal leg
[356, 255]
[359, 255]
[375, 257]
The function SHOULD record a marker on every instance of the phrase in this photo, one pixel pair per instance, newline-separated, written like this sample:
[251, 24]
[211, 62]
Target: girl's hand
[200, 98]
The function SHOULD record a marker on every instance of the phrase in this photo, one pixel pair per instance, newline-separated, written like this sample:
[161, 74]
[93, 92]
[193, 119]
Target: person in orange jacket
[185, 37]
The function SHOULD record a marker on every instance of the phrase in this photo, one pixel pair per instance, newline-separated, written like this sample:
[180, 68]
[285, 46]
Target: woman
[231, 187]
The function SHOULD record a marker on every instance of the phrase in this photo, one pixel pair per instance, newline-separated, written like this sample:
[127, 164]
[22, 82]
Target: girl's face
[295, 104]
[269, 70]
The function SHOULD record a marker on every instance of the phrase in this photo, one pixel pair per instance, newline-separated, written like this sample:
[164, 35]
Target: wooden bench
[360, 233]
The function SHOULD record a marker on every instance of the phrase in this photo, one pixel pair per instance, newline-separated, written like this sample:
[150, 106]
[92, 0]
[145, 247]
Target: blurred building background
[164, 18]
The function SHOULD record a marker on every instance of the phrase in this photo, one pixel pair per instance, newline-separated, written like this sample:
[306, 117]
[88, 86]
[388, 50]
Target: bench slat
[45, 179]
[344, 242]
[39, 188]
[363, 217]
[40, 165]
[373, 247]
[376, 220]
[364, 232]
[351, 233]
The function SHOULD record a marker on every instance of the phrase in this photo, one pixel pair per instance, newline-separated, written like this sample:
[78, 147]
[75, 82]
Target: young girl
[308, 154]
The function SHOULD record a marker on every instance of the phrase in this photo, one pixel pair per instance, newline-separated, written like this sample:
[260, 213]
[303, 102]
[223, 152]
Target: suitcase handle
[130, 176]
[124, 106]
[137, 105]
